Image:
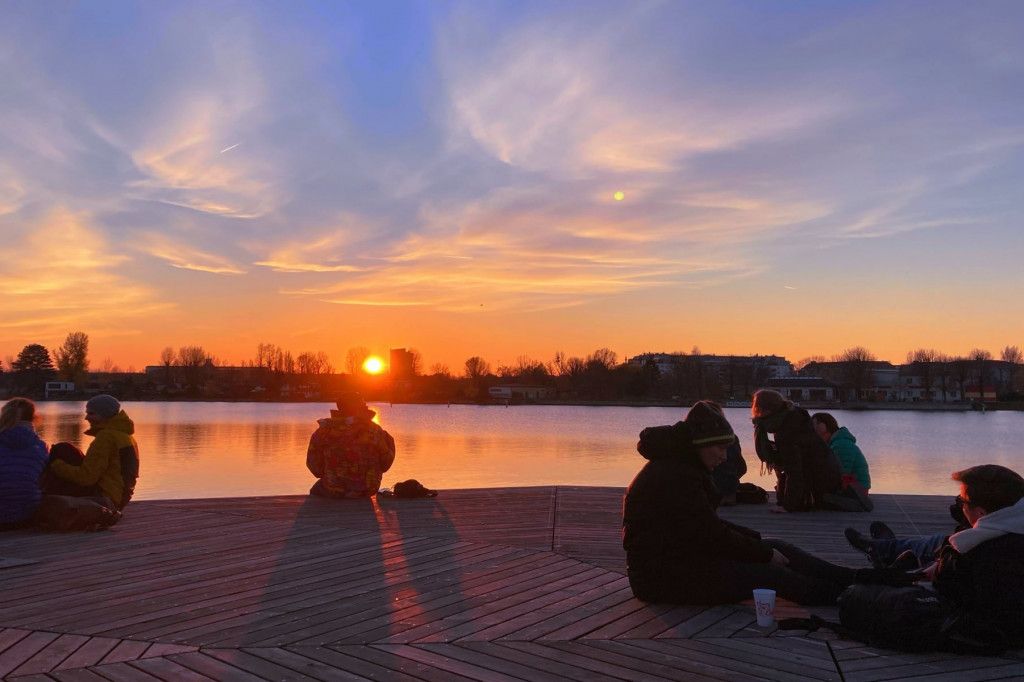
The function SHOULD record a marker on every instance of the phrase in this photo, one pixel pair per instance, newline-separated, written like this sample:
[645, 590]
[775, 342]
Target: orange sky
[447, 178]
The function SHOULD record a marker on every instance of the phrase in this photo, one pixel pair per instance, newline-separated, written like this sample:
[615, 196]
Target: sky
[794, 178]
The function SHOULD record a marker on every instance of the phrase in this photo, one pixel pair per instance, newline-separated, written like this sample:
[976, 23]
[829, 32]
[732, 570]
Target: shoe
[857, 540]
[880, 531]
[863, 544]
[907, 561]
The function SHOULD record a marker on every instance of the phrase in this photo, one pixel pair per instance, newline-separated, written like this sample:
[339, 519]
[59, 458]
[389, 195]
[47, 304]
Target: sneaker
[907, 561]
[857, 540]
[863, 544]
[880, 531]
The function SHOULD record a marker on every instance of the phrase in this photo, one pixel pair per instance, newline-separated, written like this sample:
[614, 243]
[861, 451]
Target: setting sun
[373, 365]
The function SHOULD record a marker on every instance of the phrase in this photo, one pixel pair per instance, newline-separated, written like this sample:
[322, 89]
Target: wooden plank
[51, 655]
[168, 670]
[557, 667]
[299, 663]
[342, 661]
[126, 650]
[445, 663]
[401, 664]
[663, 654]
[122, 672]
[256, 665]
[24, 649]
[89, 654]
[203, 664]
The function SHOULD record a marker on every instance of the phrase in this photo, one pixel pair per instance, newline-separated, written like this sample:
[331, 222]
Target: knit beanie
[708, 425]
[103, 405]
[351, 404]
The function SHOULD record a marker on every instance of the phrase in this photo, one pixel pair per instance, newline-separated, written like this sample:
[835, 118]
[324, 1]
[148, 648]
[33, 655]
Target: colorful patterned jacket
[350, 455]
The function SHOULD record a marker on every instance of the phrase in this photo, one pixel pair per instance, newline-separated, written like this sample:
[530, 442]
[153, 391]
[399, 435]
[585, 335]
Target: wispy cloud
[185, 256]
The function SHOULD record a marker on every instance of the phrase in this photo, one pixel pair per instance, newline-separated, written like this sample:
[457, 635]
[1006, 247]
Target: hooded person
[805, 467]
[23, 457]
[110, 467]
[679, 551]
[981, 568]
[348, 452]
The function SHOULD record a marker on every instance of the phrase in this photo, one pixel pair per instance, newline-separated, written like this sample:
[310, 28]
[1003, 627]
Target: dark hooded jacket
[23, 457]
[670, 527]
[982, 570]
[807, 468]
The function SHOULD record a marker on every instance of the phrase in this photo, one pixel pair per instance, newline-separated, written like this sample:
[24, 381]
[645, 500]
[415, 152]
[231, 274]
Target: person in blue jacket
[23, 457]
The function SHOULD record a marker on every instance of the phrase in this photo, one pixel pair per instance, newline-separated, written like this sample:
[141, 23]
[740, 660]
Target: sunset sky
[796, 178]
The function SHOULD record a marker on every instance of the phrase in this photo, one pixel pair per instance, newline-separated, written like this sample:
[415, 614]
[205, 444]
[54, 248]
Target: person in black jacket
[981, 569]
[806, 468]
[679, 551]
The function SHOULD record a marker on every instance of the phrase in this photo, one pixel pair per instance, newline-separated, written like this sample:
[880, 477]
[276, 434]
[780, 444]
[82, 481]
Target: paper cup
[764, 606]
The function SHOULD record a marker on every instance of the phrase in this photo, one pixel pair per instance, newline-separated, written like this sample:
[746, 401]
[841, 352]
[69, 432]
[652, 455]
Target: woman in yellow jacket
[111, 464]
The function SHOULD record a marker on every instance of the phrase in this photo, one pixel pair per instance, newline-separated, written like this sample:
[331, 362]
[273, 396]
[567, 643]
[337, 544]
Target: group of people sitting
[679, 550]
[60, 487]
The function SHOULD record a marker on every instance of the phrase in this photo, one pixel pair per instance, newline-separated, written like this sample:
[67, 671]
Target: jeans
[924, 548]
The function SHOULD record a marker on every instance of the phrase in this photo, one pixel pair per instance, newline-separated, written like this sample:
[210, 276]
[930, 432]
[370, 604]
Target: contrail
[227, 149]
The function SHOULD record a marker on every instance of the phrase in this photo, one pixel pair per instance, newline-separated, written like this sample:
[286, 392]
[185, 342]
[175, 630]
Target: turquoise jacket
[850, 457]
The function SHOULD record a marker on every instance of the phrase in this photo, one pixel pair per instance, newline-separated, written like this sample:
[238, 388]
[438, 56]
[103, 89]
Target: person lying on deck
[348, 452]
[980, 567]
[679, 551]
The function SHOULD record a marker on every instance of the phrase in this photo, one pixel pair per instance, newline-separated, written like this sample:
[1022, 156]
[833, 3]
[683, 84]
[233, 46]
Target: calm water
[240, 449]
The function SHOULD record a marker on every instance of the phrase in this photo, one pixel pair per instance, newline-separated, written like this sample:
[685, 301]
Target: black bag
[748, 493]
[902, 618]
[412, 489]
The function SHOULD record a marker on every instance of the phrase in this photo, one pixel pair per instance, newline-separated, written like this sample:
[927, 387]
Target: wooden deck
[493, 584]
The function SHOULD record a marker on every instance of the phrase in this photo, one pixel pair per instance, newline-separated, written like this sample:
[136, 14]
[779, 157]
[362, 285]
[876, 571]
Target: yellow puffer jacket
[111, 462]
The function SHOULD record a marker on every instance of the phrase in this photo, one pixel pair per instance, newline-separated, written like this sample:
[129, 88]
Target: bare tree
[856, 367]
[923, 360]
[440, 370]
[355, 358]
[1012, 354]
[981, 358]
[477, 368]
[73, 356]
[603, 357]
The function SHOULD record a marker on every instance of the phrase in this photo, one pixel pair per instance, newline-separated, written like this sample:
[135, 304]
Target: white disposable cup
[764, 606]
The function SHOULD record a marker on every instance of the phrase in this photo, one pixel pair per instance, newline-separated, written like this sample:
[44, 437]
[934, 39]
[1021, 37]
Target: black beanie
[708, 425]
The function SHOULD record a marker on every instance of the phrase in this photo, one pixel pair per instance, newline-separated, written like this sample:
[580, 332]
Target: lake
[192, 450]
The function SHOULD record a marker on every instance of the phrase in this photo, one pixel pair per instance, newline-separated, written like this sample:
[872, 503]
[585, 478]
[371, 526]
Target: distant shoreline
[810, 406]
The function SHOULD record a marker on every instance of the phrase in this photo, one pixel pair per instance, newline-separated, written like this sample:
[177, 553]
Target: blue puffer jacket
[23, 457]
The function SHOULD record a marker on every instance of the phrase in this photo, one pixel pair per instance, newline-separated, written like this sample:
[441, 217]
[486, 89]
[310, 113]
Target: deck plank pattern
[487, 584]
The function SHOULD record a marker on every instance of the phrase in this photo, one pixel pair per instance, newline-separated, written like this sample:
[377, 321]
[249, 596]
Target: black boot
[880, 531]
[907, 561]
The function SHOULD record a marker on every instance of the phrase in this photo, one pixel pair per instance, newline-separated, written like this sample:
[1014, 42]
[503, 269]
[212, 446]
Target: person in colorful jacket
[109, 468]
[23, 457]
[843, 443]
[349, 453]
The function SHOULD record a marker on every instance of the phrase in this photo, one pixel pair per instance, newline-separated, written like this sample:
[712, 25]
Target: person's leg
[924, 547]
[739, 580]
[810, 565]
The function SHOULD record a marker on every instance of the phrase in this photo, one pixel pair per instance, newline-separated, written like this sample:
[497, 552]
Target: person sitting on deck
[806, 469]
[23, 457]
[856, 479]
[678, 550]
[109, 468]
[979, 567]
[349, 453]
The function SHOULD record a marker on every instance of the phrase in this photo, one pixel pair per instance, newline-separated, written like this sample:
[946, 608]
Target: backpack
[903, 618]
[912, 619]
[748, 493]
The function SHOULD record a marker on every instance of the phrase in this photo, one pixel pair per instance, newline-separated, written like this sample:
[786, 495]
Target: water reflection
[243, 449]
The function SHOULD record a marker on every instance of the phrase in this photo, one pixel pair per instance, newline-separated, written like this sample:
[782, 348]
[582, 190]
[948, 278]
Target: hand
[929, 572]
[778, 559]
